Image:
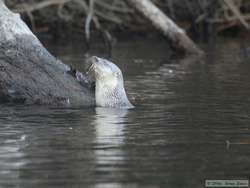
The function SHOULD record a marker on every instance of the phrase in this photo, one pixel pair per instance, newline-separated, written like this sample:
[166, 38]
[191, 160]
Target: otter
[109, 84]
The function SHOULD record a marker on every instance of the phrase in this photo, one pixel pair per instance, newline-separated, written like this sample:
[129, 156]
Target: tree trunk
[29, 73]
[177, 36]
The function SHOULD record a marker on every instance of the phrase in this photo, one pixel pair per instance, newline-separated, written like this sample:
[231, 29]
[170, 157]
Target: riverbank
[66, 17]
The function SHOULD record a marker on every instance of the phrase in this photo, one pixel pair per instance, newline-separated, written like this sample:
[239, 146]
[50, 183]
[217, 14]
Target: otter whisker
[90, 69]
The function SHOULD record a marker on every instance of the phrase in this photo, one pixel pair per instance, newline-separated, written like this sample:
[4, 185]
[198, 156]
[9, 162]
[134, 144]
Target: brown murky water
[192, 123]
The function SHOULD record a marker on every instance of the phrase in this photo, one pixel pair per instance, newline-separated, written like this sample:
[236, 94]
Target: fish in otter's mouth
[109, 84]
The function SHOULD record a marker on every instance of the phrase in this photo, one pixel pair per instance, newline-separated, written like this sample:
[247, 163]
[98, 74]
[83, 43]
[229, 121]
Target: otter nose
[95, 58]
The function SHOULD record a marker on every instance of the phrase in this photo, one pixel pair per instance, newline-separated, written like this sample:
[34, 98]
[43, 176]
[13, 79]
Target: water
[191, 123]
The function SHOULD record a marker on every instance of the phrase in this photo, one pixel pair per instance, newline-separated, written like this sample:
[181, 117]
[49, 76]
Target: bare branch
[237, 13]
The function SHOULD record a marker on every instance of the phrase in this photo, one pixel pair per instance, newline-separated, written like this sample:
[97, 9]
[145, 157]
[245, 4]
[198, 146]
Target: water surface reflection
[110, 156]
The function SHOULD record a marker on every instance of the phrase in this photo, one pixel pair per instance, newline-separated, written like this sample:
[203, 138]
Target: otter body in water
[109, 84]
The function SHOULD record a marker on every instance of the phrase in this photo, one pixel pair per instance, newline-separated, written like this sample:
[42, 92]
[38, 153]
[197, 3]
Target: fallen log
[177, 36]
[29, 73]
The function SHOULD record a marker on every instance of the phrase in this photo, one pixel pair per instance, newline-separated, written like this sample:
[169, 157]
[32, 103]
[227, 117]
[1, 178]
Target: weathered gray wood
[29, 73]
[177, 36]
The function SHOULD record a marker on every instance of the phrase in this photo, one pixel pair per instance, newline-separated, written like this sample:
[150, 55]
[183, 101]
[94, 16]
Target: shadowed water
[191, 123]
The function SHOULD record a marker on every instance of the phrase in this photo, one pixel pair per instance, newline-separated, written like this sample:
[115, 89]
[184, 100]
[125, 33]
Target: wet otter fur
[109, 84]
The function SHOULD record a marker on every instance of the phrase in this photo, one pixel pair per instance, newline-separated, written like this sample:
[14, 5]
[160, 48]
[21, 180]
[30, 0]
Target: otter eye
[117, 74]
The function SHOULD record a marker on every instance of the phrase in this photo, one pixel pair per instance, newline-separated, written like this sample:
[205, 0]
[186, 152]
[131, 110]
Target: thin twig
[89, 18]
[114, 8]
[38, 6]
[31, 18]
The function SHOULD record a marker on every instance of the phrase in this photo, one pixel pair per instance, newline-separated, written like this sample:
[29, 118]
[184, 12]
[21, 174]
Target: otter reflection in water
[110, 156]
[109, 84]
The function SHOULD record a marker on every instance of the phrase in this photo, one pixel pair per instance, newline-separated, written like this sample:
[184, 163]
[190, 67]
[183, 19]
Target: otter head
[109, 85]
